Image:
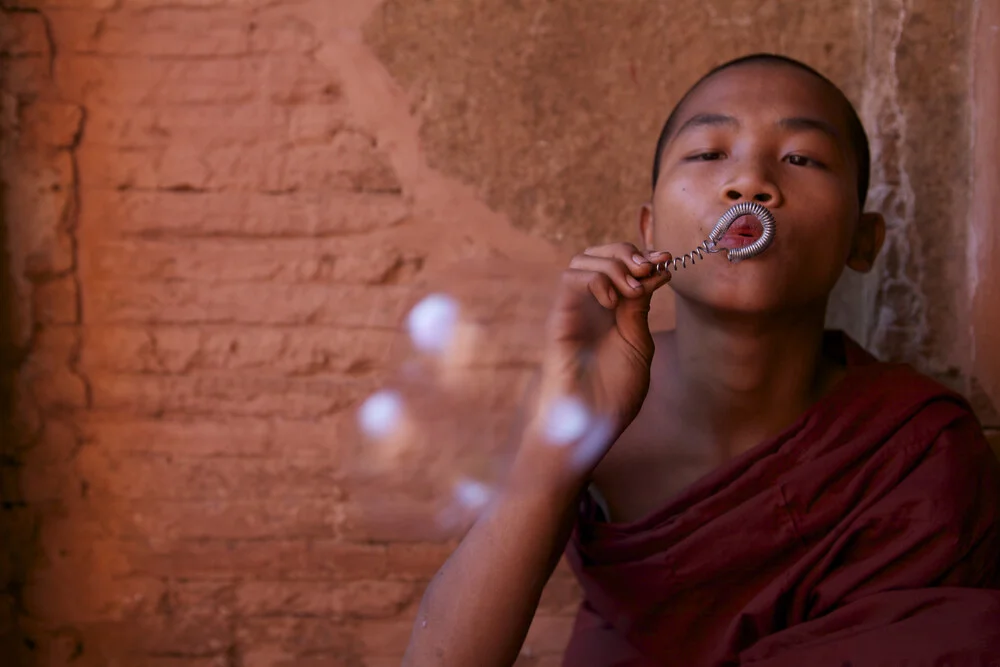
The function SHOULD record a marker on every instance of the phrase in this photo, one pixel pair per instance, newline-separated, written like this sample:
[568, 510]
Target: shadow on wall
[16, 532]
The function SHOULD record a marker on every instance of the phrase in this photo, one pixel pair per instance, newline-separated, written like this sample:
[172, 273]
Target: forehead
[768, 91]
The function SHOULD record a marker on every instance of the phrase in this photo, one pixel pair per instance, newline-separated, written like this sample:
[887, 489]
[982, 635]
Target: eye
[707, 156]
[803, 161]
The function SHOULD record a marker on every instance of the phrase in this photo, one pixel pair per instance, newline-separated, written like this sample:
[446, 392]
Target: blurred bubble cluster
[440, 431]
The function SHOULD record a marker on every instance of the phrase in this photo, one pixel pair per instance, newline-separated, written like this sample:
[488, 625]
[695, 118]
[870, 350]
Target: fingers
[627, 253]
[627, 280]
[598, 284]
[617, 271]
[639, 263]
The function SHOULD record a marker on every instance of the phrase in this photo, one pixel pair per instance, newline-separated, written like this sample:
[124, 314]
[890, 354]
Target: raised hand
[599, 347]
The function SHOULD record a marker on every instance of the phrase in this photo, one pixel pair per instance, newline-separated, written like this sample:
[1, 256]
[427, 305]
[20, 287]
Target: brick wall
[211, 247]
[216, 214]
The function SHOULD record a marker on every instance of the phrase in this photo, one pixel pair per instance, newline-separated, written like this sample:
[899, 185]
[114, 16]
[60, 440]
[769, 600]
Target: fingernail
[613, 296]
[632, 282]
[639, 259]
[658, 254]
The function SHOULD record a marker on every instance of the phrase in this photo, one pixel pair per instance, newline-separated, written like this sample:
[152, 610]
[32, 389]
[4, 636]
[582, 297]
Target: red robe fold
[868, 533]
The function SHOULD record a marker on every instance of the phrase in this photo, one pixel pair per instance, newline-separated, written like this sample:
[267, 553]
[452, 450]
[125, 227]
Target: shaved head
[857, 138]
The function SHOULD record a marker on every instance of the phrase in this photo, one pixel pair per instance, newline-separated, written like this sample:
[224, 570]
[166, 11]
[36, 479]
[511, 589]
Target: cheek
[679, 206]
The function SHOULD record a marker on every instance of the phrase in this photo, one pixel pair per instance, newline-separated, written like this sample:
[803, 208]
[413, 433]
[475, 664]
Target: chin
[747, 293]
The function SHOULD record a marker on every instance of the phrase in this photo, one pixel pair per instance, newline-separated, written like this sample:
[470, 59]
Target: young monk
[760, 491]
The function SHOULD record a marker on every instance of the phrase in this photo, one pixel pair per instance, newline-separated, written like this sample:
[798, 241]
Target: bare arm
[479, 606]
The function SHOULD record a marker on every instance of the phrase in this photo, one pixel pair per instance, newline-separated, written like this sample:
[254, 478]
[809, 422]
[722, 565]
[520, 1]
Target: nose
[751, 182]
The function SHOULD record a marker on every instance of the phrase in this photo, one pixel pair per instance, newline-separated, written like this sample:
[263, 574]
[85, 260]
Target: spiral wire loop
[710, 245]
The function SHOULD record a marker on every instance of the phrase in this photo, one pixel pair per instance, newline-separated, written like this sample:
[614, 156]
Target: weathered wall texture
[216, 214]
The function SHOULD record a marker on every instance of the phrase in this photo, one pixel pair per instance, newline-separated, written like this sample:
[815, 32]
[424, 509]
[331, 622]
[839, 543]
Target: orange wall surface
[217, 214]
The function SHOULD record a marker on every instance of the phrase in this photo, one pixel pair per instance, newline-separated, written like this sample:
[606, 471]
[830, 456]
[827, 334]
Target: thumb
[632, 315]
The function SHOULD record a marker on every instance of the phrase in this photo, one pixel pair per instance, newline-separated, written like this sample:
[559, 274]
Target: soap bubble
[431, 323]
[472, 494]
[380, 414]
[567, 420]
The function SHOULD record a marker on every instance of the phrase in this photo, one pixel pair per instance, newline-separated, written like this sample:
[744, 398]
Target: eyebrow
[706, 120]
[800, 123]
[809, 124]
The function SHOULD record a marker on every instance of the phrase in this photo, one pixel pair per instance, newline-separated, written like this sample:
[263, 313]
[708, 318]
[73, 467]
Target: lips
[745, 230]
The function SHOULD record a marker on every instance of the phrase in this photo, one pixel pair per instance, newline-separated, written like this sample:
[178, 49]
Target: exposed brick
[23, 34]
[52, 381]
[296, 635]
[316, 122]
[236, 214]
[284, 29]
[188, 633]
[418, 562]
[26, 77]
[243, 394]
[48, 476]
[152, 168]
[166, 477]
[202, 312]
[52, 124]
[354, 599]
[334, 261]
[270, 558]
[116, 435]
[304, 439]
[198, 597]
[385, 638]
[358, 307]
[165, 32]
[293, 80]
[349, 162]
[70, 4]
[267, 656]
[80, 537]
[343, 561]
[105, 80]
[152, 4]
[396, 520]
[99, 596]
[39, 195]
[181, 349]
[112, 81]
[257, 655]
[56, 302]
[244, 519]
[204, 125]
[222, 660]
[62, 646]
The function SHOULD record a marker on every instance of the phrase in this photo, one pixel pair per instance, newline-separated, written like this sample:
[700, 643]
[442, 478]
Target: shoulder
[890, 395]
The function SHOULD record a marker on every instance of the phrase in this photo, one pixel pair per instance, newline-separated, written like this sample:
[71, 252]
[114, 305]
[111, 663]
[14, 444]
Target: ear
[646, 225]
[867, 242]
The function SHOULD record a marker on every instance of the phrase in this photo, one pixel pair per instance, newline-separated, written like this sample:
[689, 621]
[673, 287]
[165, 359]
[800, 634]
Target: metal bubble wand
[711, 244]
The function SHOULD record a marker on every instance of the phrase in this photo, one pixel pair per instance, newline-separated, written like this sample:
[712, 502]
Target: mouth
[745, 230]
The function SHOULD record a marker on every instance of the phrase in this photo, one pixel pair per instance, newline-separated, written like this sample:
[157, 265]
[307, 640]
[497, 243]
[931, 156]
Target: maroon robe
[867, 533]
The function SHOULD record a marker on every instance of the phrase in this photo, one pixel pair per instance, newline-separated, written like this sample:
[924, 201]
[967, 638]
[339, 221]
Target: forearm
[479, 606]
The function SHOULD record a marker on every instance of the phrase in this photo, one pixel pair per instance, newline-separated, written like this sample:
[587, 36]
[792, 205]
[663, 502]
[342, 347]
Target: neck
[746, 377]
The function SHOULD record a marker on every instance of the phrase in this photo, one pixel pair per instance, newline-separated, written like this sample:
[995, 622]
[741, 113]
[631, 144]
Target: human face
[776, 135]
